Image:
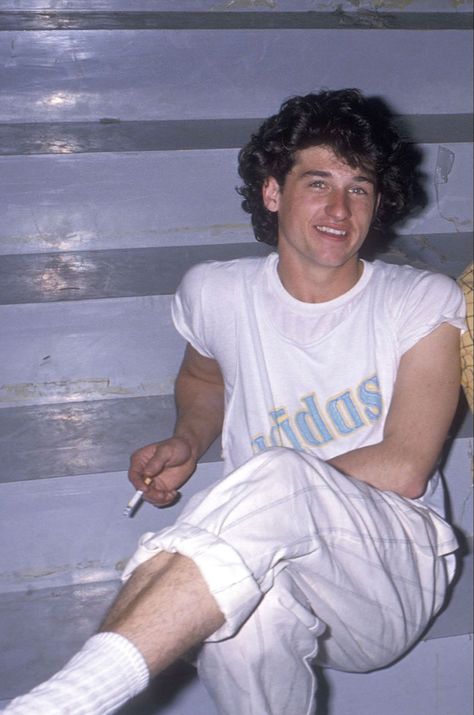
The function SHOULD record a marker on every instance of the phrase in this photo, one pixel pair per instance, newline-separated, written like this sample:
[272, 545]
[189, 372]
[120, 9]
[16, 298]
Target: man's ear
[271, 194]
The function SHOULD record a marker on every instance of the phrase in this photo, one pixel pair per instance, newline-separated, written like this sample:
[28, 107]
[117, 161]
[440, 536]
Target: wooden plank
[82, 438]
[84, 76]
[235, 20]
[447, 253]
[119, 201]
[134, 272]
[90, 275]
[109, 135]
[55, 440]
[116, 136]
[422, 6]
[93, 350]
[53, 352]
[155, 199]
[79, 507]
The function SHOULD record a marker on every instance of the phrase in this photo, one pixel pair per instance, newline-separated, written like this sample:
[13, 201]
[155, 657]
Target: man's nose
[338, 205]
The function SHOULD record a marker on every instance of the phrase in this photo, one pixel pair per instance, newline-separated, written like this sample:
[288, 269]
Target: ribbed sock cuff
[107, 672]
[138, 674]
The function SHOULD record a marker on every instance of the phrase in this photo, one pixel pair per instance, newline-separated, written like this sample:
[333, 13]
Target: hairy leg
[164, 610]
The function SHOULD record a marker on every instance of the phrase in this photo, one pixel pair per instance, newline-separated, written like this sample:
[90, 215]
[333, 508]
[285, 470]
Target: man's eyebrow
[325, 174]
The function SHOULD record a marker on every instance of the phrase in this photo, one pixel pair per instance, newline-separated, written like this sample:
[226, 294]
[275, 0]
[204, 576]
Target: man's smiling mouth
[332, 231]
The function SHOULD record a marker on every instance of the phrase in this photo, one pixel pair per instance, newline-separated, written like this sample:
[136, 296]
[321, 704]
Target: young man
[333, 381]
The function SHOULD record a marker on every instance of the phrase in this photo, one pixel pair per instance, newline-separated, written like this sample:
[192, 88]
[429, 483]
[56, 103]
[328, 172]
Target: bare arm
[424, 400]
[199, 393]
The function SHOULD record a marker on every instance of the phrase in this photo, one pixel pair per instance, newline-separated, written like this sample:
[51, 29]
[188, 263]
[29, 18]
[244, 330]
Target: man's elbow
[412, 491]
[414, 481]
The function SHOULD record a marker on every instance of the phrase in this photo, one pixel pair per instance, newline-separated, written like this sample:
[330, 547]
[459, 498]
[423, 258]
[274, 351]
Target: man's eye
[318, 184]
[359, 190]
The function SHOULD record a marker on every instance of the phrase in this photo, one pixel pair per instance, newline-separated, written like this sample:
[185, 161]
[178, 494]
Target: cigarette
[136, 500]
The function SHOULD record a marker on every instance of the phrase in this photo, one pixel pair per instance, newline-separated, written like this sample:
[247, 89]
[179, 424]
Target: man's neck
[320, 284]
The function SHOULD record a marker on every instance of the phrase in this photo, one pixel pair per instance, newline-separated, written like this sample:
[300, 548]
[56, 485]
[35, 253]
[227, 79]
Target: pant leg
[266, 667]
[370, 563]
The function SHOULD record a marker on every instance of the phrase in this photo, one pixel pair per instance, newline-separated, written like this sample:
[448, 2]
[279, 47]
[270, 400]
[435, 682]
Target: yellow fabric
[467, 376]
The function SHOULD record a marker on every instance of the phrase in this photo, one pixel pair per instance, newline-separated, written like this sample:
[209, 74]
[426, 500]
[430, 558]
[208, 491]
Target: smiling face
[325, 209]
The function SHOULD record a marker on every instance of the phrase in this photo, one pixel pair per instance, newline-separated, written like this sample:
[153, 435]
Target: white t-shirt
[316, 377]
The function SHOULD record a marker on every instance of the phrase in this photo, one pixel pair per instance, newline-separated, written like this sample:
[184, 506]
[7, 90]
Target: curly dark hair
[358, 129]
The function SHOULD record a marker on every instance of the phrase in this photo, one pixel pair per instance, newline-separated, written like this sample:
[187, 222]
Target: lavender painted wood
[79, 76]
[105, 201]
[91, 275]
[109, 135]
[424, 6]
[84, 351]
[112, 20]
[150, 199]
[48, 277]
[434, 677]
[56, 440]
[82, 437]
[88, 507]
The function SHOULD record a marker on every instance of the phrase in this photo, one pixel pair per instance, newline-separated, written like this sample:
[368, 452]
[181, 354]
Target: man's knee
[284, 466]
[146, 571]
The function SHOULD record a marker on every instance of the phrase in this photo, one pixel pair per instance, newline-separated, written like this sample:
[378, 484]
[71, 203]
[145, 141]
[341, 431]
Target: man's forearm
[423, 404]
[200, 412]
[386, 468]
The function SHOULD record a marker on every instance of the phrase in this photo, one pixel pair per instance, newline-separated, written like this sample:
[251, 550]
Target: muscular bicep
[425, 396]
[199, 367]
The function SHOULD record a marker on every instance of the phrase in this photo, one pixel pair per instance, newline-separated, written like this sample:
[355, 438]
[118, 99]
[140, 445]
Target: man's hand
[169, 464]
[160, 469]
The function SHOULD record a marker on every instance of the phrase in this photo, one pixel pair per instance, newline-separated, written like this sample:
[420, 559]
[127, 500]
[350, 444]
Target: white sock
[107, 671]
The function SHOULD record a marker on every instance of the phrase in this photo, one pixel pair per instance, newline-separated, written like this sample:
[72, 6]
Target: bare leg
[164, 610]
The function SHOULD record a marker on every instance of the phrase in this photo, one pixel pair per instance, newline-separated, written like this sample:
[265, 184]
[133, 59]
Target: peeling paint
[391, 4]
[444, 165]
[244, 5]
[364, 18]
[62, 388]
[383, 4]
[30, 580]
[79, 390]
[56, 240]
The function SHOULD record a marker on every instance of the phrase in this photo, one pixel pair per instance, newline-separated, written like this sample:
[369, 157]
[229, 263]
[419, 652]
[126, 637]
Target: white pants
[306, 565]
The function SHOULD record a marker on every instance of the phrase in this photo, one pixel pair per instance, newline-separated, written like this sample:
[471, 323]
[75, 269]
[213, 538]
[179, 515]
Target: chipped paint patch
[244, 5]
[30, 580]
[444, 165]
[391, 4]
[365, 18]
[457, 4]
[23, 393]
